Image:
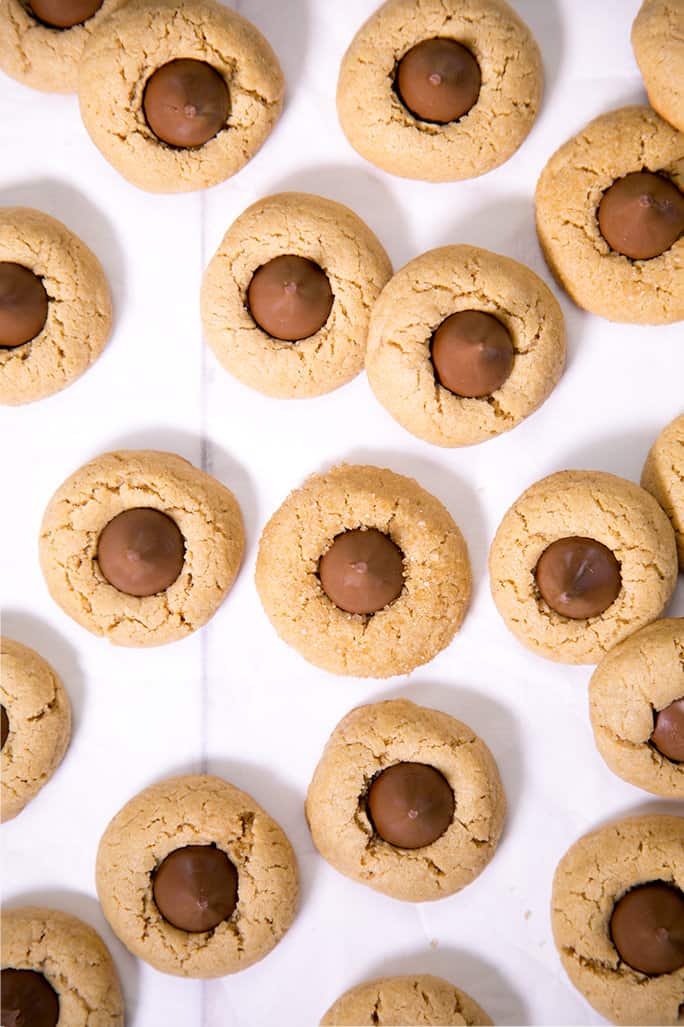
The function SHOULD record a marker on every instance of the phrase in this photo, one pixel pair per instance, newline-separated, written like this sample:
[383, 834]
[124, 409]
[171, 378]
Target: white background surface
[232, 698]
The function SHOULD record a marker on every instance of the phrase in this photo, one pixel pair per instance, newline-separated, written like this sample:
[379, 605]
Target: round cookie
[338, 242]
[588, 506]
[69, 959]
[41, 55]
[384, 130]
[663, 477]
[595, 873]
[411, 309]
[197, 810]
[204, 511]
[569, 192]
[658, 43]
[368, 741]
[79, 310]
[404, 1002]
[36, 725]
[137, 41]
[412, 629]
[636, 701]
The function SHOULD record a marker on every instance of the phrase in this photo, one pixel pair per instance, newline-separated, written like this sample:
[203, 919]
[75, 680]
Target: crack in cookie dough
[658, 43]
[663, 477]
[405, 1002]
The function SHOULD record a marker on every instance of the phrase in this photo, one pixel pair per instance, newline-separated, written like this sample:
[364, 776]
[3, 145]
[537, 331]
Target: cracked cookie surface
[381, 128]
[339, 242]
[197, 809]
[407, 1001]
[79, 319]
[39, 714]
[370, 739]
[658, 43]
[569, 191]
[206, 513]
[587, 504]
[413, 305]
[663, 477]
[592, 876]
[137, 40]
[638, 678]
[72, 957]
[437, 580]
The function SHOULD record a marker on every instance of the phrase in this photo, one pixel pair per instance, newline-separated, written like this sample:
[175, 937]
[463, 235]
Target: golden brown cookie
[368, 741]
[587, 505]
[569, 191]
[663, 477]
[342, 246]
[594, 875]
[658, 42]
[385, 131]
[413, 306]
[71, 969]
[205, 512]
[79, 311]
[132, 45]
[36, 725]
[205, 811]
[405, 1002]
[636, 700]
[409, 631]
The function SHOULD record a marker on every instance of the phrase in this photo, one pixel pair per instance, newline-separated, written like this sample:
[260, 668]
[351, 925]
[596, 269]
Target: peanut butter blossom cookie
[440, 90]
[663, 477]
[178, 98]
[580, 561]
[658, 42]
[610, 217]
[618, 919]
[636, 699]
[55, 306]
[286, 299]
[56, 972]
[405, 1002]
[35, 725]
[406, 800]
[463, 345]
[195, 878]
[363, 572]
[141, 546]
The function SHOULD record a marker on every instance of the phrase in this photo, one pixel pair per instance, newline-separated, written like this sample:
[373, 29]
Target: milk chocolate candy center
[668, 731]
[363, 571]
[472, 354]
[186, 103]
[642, 215]
[410, 805]
[438, 80]
[4, 726]
[578, 577]
[290, 298]
[28, 999]
[141, 552]
[195, 888]
[647, 927]
[23, 305]
[64, 14]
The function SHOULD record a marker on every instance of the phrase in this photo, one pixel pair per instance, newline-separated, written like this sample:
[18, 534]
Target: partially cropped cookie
[440, 90]
[363, 572]
[610, 217]
[663, 477]
[463, 345]
[55, 306]
[35, 725]
[580, 561]
[287, 297]
[141, 547]
[617, 912]
[636, 699]
[405, 1002]
[56, 972]
[196, 878]
[179, 98]
[658, 42]
[406, 800]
